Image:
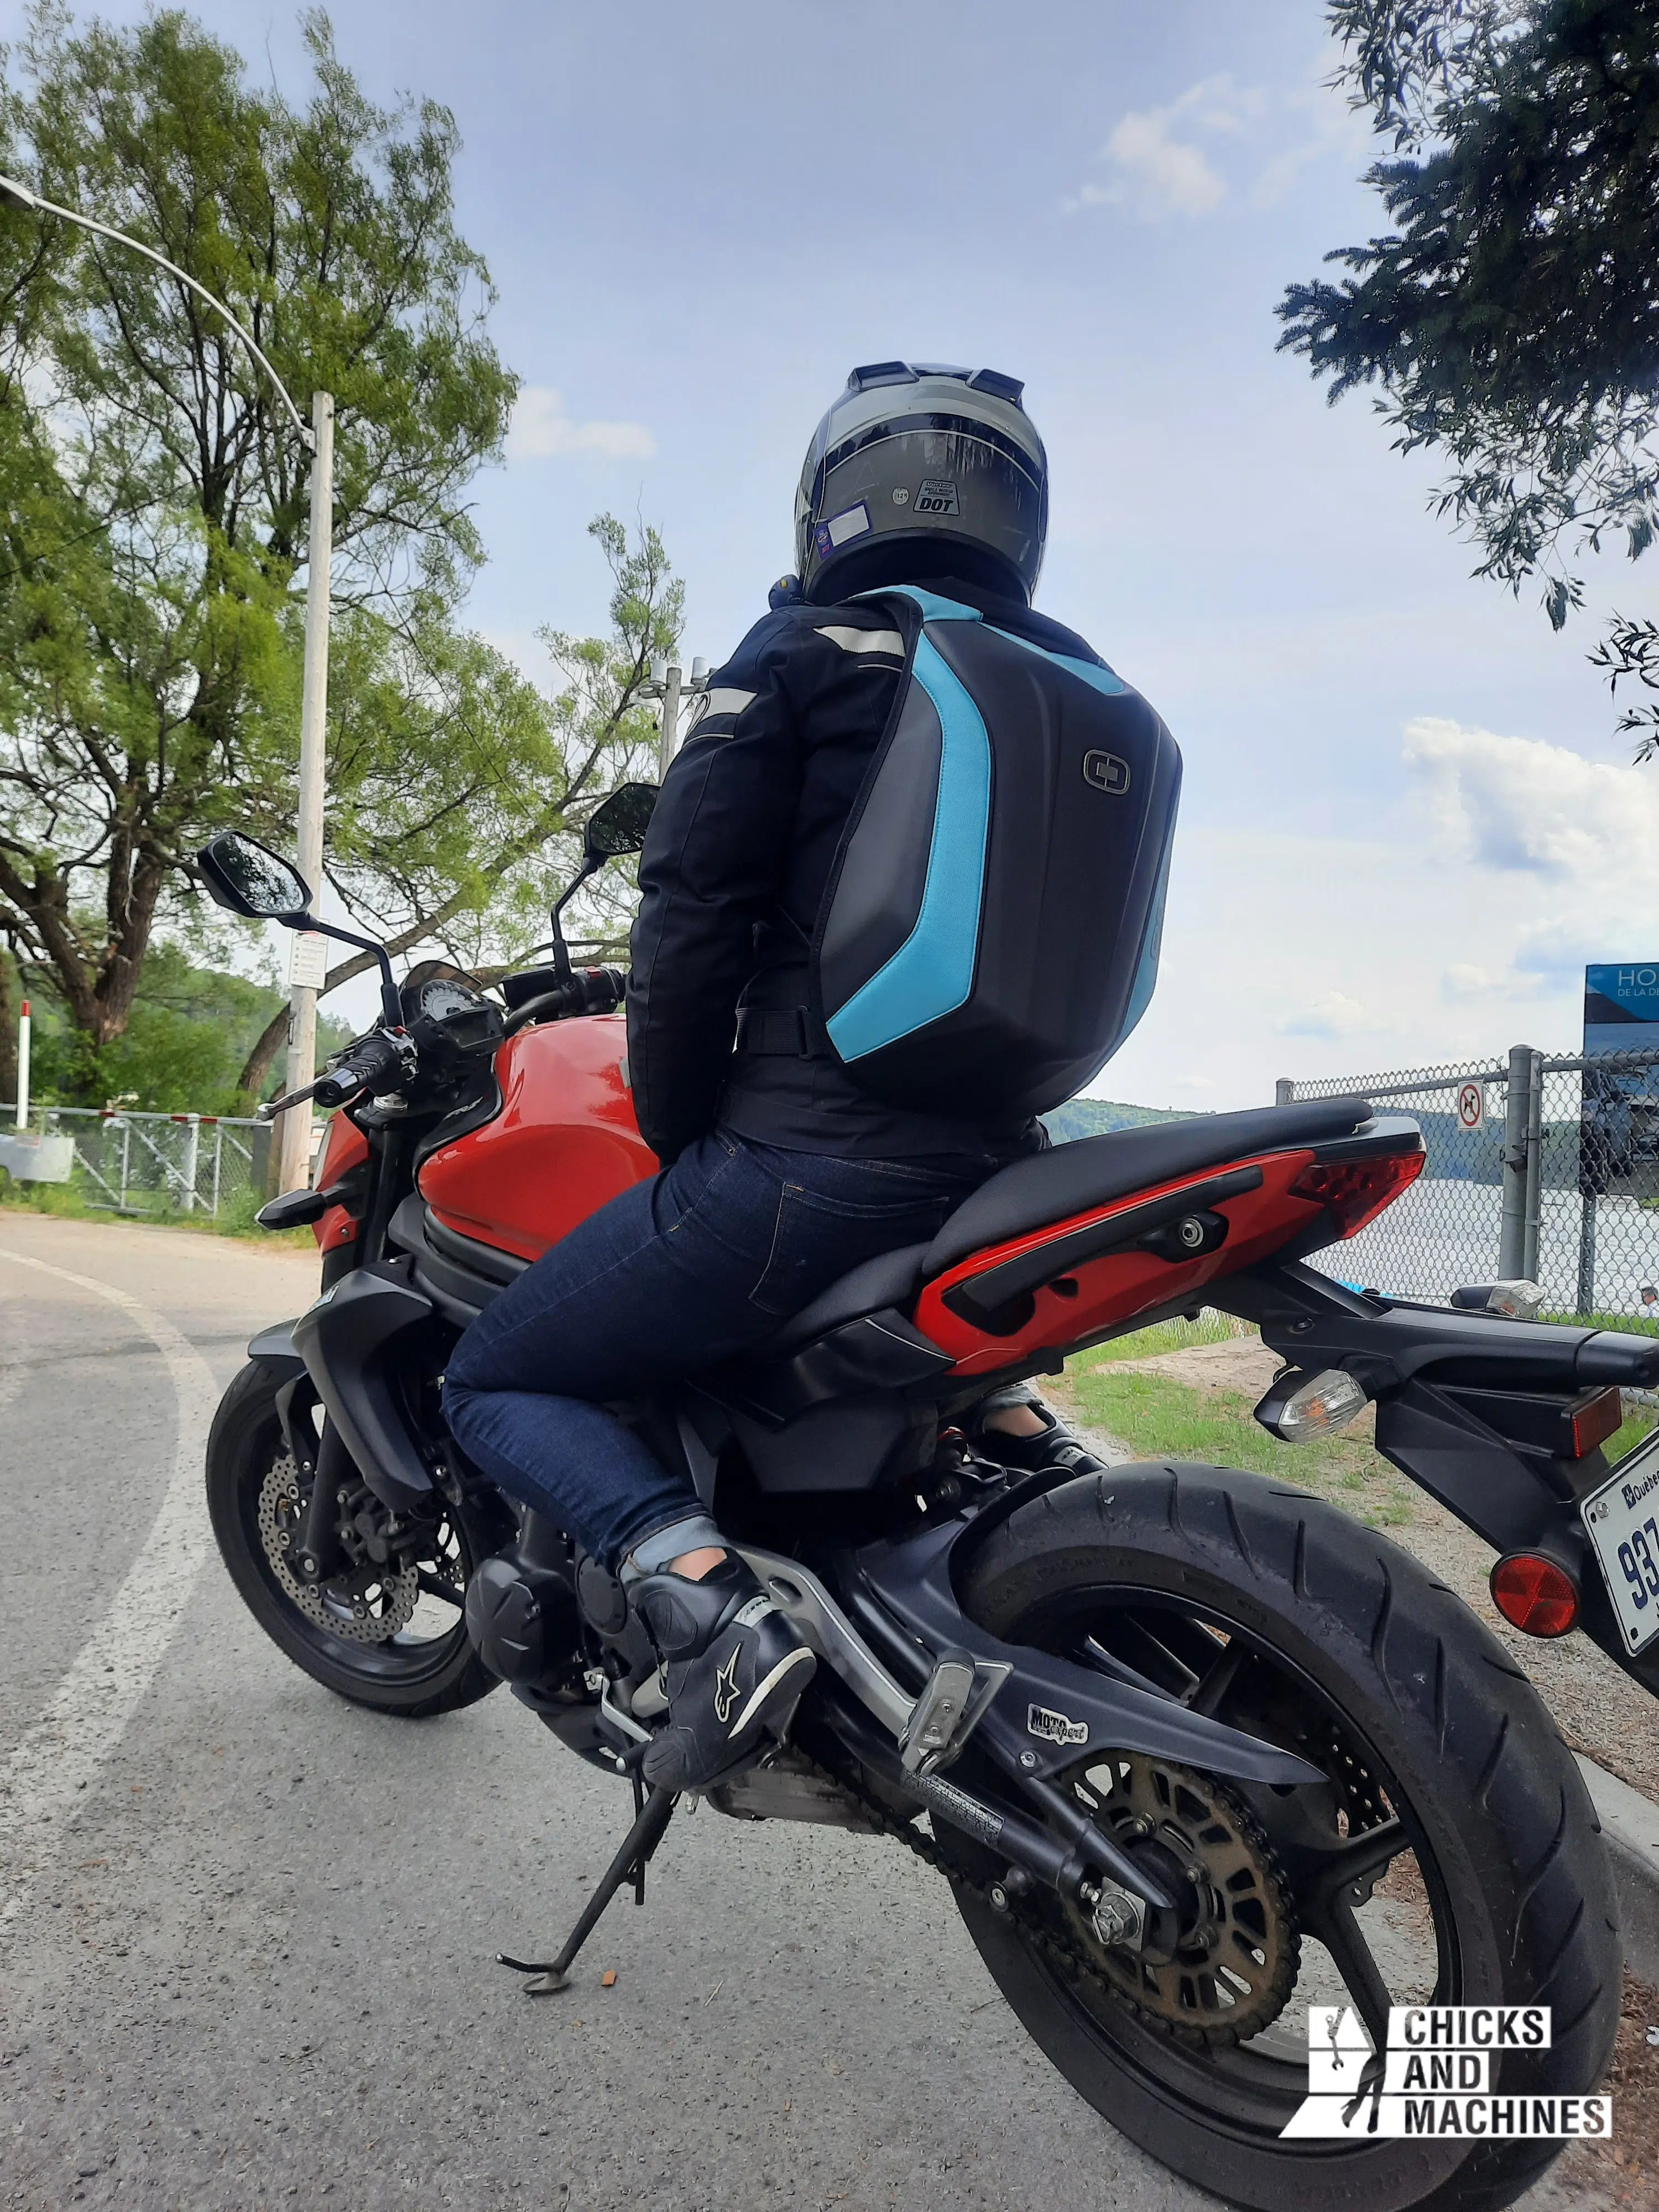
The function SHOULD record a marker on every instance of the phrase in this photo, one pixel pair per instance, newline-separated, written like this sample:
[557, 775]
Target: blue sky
[1407, 822]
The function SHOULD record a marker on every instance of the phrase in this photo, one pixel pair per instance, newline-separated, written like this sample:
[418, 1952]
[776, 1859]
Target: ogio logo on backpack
[1106, 772]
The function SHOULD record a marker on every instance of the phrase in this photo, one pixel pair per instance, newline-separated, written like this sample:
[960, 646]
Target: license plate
[1622, 1521]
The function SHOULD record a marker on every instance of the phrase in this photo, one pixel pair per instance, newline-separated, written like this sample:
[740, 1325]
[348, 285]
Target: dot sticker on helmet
[936, 495]
[851, 522]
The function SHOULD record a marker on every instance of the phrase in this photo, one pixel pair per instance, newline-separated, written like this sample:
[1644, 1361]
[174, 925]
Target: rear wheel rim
[1249, 2090]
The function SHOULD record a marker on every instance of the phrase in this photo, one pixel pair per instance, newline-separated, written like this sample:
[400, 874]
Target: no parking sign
[1471, 1105]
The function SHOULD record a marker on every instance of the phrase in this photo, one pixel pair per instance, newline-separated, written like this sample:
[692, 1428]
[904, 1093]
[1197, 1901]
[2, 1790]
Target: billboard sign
[1619, 1151]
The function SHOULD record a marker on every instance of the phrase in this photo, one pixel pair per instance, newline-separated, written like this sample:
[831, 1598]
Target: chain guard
[366, 1604]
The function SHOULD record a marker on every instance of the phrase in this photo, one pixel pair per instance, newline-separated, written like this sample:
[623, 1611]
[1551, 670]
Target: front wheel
[1453, 1857]
[391, 1637]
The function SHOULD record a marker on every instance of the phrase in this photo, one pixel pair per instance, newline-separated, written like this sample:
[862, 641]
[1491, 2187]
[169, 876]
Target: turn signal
[1354, 1192]
[1298, 1407]
[1534, 1595]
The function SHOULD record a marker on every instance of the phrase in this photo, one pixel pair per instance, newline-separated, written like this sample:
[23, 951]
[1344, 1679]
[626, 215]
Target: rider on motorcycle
[780, 1174]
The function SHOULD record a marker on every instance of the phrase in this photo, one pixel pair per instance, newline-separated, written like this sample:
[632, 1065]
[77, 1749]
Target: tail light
[1354, 1192]
[1534, 1595]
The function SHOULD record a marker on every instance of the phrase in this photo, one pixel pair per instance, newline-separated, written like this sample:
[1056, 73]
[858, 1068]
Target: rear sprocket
[1230, 1971]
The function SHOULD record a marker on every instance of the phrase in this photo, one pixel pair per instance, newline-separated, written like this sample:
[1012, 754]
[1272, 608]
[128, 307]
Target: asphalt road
[246, 1931]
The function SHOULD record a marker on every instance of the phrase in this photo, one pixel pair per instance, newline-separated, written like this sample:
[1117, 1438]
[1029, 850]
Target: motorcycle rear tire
[244, 1440]
[1474, 1750]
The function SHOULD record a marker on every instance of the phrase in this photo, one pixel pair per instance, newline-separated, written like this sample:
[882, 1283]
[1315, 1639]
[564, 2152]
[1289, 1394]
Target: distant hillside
[1093, 1117]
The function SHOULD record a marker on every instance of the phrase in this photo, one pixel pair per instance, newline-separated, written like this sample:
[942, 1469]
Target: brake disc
[1232, 1969]
[366, 1604]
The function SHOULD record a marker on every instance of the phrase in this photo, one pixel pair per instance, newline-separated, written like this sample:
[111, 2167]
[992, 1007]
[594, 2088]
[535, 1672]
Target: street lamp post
[318, 441]
[668, 684]
[305, 974]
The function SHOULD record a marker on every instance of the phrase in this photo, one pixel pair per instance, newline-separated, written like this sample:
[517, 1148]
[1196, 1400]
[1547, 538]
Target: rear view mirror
[250, 880]
[619, 824]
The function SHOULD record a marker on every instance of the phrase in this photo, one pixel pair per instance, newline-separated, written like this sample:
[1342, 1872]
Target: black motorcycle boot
[1056, 1448]
[735, 1671]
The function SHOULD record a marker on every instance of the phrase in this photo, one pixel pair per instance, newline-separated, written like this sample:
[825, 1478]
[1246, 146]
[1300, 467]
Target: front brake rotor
[365, 1604]
[1228, 1970]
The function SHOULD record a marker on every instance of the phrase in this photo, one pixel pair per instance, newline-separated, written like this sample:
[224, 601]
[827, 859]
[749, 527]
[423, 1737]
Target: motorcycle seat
[892, 1279]
[1052, 1187]
[1071, 1179]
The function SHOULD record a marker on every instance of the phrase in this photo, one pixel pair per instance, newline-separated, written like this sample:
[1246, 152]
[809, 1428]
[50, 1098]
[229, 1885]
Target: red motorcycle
[1194, 1749]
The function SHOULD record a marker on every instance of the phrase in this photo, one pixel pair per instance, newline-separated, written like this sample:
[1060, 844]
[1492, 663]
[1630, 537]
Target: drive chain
[888, 1823]
[1059, 1948]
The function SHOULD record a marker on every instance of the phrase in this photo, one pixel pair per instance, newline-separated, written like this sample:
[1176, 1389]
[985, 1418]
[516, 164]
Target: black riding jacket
[734, 870]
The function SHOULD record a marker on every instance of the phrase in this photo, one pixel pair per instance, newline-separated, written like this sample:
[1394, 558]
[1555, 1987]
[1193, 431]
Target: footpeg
[947, 1712]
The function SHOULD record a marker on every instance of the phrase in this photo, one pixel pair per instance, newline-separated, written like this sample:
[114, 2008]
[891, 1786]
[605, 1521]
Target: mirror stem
[594, 862]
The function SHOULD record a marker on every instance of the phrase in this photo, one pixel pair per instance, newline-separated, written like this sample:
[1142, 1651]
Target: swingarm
[1028, 1713]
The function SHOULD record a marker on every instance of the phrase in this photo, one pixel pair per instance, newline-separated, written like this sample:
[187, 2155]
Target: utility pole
[295, 1170]
[668, 684]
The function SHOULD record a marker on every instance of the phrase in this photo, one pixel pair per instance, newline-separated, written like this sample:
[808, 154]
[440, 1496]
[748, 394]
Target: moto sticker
[1054, 1728]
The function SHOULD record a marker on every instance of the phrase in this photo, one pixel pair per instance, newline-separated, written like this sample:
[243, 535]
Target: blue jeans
[672, 1277]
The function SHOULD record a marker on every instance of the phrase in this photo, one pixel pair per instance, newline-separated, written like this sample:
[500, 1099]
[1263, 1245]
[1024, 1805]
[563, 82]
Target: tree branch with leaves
[153, 489]
[458, 792]
[1510, 319]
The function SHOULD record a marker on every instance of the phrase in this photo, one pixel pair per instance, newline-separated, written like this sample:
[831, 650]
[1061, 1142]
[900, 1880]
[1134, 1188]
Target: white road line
[44, 1782]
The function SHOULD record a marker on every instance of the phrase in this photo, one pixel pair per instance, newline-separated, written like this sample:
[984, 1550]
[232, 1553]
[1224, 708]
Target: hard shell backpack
[990, 934]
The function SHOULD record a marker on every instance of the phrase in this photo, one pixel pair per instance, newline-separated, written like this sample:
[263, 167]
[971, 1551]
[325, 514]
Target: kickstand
[652, 1815]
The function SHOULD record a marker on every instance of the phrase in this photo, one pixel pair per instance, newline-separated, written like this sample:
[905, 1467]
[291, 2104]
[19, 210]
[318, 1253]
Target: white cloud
[1333, 1014]
[1298, 954]
[1159, 174]
[1569, 842]
[542, 430]
[1157, 169]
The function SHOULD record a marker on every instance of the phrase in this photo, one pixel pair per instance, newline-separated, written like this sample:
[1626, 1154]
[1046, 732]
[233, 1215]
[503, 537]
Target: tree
[458, 792]
[9, 1010]
[1510, 318]
[190, 1030]
[153, 517]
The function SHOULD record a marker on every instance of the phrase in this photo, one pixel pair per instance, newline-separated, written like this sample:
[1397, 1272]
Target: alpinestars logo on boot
[726, 1687]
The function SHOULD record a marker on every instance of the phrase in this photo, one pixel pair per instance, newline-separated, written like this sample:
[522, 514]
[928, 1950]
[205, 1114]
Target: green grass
[69, 1202]
[1645, 1324]
[1160, 1417]
[1165, 1336]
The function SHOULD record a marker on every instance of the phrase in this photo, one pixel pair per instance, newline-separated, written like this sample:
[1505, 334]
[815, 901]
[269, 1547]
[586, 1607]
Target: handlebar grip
[331, 1090]
[365, 1063]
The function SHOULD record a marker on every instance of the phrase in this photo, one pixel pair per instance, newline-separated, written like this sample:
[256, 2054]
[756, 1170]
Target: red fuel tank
[564, 1141]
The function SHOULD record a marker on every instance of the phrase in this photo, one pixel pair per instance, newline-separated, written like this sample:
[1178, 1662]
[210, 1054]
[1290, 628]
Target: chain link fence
[159, 1164]
[1546, 1167]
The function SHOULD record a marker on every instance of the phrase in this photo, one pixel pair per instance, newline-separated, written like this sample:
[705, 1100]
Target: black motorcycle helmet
[922, 471]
